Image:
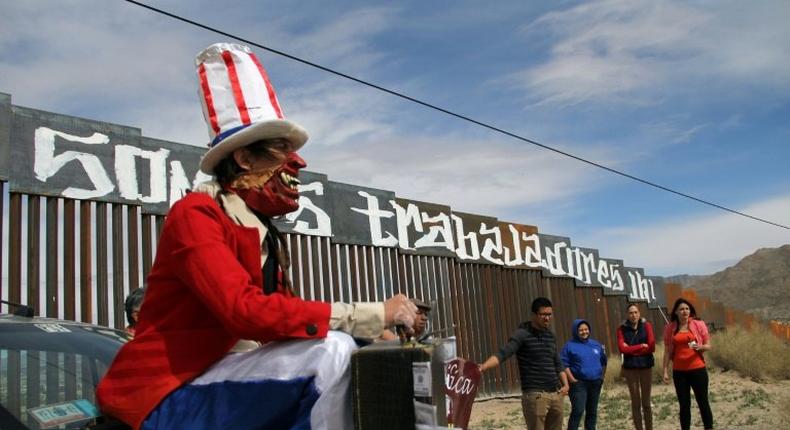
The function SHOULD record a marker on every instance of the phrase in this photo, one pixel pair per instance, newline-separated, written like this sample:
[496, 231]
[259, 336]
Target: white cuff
[360, 319]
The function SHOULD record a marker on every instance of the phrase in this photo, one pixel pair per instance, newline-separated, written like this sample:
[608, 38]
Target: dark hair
[133, 300]
[634, 305]
[674, 316]
[228, 169]
[540, 302]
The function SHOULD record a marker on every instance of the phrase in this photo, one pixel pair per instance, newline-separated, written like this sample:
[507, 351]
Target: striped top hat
[239, 103]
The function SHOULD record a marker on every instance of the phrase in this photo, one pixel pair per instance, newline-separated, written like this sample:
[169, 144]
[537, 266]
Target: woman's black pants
[697, 380]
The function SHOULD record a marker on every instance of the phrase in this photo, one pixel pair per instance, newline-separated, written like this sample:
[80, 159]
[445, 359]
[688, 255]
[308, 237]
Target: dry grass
[755, 354]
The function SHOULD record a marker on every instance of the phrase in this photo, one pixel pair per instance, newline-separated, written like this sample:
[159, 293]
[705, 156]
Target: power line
[457, 115]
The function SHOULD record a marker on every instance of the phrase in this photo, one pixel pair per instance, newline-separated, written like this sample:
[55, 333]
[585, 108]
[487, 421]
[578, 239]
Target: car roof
[8, 320]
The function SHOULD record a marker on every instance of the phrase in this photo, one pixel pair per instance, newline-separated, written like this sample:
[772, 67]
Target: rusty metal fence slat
[69, 260]
[86, 262]
[53, 256]
[102, 278]
[34, 253]
[3, 287]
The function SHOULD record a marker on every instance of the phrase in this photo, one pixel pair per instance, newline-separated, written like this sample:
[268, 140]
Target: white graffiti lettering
[603, 274]
[587, 262]
[533, 254]
[517, 260]
[410, 215]
[442, 230]
[46, 164]
[553, 259]
[434, 231]
[618, 284]
[126, 173]
[323, 221]
[639, 286]
[571, 261]
[492, 246]
[461, 250]
[179, 184]
[375, 214]
[652, 291]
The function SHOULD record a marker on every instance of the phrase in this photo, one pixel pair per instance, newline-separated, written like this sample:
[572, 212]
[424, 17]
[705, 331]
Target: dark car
[49, 370]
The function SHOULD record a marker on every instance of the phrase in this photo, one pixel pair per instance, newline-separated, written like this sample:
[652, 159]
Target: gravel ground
[737, 403]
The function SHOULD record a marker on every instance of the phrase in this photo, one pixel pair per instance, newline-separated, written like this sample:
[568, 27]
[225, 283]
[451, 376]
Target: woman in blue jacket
[585, 364]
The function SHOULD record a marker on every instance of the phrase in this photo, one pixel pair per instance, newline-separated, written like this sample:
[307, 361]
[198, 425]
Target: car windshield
[49, 370]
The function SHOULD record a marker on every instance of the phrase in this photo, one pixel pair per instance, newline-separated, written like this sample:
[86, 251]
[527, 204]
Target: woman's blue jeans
[584, 400]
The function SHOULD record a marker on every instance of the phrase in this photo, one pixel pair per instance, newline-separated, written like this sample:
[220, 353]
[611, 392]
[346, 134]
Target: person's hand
[564, 389]
[572, 380]
[398, 309]
[695, 346]
[644, 346]
[388, 334]
[666, 377]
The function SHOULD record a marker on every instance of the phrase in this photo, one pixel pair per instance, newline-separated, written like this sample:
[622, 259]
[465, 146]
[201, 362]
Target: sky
[692, 95]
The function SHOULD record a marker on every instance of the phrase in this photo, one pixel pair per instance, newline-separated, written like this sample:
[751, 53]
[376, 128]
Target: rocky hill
[759, 283]
[687, 281]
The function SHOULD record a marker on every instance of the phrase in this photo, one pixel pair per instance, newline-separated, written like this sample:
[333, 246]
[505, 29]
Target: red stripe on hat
[212, 114]
[269, 87]
[241, 105]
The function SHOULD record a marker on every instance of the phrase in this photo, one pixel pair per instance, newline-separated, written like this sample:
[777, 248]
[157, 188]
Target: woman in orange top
[685, 339]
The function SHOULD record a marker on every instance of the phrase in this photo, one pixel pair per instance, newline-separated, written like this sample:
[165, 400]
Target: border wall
[83, 203]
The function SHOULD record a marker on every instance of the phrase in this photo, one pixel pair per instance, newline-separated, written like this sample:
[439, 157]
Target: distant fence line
[77, 241]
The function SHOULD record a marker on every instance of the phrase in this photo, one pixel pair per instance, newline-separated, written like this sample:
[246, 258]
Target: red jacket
[636, 349]
[204, 294]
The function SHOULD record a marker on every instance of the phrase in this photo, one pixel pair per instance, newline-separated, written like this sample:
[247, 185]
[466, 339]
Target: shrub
[755, 354]
[612, 375]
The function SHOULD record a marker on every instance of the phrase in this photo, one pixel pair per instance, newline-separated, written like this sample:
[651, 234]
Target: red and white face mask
[278, 194]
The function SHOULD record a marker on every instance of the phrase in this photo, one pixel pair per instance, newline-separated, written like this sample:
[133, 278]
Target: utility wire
[459, 116]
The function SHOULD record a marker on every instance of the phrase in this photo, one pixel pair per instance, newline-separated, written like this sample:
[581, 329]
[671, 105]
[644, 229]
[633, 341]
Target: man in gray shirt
[543, 380]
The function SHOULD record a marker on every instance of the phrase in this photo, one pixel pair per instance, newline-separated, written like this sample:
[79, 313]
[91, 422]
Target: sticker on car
[54, 415]
[52, 328]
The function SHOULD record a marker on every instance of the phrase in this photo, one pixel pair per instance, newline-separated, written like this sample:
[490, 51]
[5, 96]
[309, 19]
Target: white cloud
[485, 176]
[637, 52]
[60, 58]
[100, 64]
[363, 137]
[337, 113]
[673, 130]
[702, 244]
[344, 41]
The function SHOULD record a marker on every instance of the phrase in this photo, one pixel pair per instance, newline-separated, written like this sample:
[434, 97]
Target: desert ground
[737, 403]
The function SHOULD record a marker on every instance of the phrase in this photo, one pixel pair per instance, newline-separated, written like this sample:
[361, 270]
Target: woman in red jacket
[686, 338]
[222, 341]
[637, 343]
